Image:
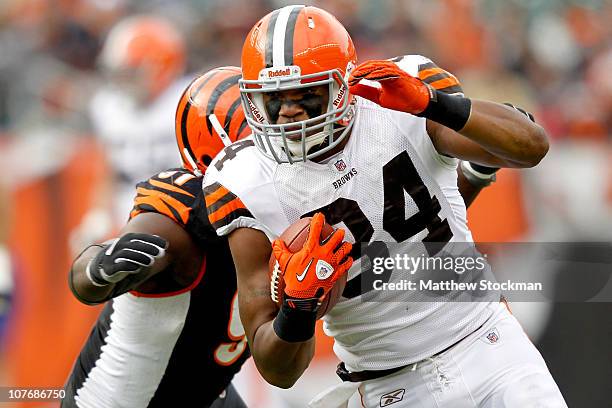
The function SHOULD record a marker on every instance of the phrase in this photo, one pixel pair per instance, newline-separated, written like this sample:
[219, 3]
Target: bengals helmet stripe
[216, 94]
[269, 36]
[230, 114]
[243, 125]
[184, 134]
[209, 117]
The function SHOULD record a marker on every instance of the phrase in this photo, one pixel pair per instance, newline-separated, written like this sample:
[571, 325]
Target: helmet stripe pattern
[243, 125]
[184, 136]
[230, 114]
[214, 98]
[270, 37]
[283, 35]
[289, 34]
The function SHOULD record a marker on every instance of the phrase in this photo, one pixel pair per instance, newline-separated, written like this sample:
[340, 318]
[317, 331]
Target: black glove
[127, 255]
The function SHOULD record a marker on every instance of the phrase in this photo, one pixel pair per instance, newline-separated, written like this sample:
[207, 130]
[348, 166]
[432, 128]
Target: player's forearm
[468, 191]
[506, 133]
[281, 363]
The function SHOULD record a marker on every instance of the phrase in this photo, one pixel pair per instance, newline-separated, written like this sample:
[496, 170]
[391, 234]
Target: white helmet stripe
[280, 31]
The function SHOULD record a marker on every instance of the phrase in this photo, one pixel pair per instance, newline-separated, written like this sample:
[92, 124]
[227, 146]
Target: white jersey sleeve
[236, 198]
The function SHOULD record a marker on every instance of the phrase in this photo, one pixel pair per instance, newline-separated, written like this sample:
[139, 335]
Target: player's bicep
[251, 251]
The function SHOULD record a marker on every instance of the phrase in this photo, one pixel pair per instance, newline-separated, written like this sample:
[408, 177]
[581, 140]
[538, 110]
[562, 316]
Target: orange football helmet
[297, 47]
[148, 45]
[209, 117]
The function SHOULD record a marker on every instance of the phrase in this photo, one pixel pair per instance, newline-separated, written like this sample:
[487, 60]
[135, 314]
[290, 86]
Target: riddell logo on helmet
[280, 72]
[256, 113]
[340, 96]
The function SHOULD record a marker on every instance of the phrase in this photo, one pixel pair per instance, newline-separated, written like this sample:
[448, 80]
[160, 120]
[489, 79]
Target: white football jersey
[388, 184]
[139, 140]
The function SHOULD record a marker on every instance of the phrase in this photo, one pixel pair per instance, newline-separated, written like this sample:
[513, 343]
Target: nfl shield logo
[492, 336]
[340, 165]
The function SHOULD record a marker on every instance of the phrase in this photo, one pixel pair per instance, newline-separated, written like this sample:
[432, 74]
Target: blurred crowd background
[80, 123]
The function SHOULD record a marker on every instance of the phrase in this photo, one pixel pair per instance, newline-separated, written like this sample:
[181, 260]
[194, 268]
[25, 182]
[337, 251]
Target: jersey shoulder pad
[234, 181]
[172, 193]
[427, 71]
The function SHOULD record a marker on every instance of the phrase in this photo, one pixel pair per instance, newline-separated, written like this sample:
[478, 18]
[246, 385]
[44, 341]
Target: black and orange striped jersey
[177, 194]
[192, 362]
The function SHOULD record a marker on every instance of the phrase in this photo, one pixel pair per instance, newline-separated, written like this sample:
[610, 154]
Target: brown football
[294, 237]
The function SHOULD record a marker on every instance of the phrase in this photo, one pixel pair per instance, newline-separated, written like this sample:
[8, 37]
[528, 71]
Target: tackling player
[374, 148]
[170, 333]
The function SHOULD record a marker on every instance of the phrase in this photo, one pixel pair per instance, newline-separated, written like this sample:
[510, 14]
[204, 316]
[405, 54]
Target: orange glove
[312, 271]
[398, 90]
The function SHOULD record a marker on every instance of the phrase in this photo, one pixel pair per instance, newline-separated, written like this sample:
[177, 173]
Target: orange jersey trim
[444, 83]
[216, 195]
[225, 210]
[426, 73]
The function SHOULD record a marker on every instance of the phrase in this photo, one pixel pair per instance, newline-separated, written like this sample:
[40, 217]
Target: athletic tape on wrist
[452, 111]
[476, 178]
[294, 325]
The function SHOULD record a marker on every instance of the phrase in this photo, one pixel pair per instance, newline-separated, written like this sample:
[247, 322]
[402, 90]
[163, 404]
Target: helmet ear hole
[206, 159]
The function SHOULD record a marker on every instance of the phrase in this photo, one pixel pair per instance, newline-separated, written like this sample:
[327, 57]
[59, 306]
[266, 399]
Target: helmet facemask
[283, 142]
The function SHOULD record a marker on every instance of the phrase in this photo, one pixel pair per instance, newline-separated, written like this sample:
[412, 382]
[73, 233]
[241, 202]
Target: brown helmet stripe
[289, 32]
[270, 38]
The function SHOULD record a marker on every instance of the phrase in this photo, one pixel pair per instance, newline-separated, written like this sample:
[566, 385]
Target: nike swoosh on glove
[312, 271]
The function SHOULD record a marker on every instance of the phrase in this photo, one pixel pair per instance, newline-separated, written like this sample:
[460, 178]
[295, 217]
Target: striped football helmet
[209, 117]
[297, 47]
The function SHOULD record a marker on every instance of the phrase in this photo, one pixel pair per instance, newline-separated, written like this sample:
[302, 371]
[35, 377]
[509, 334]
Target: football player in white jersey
[143, 62]
[373, 148]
